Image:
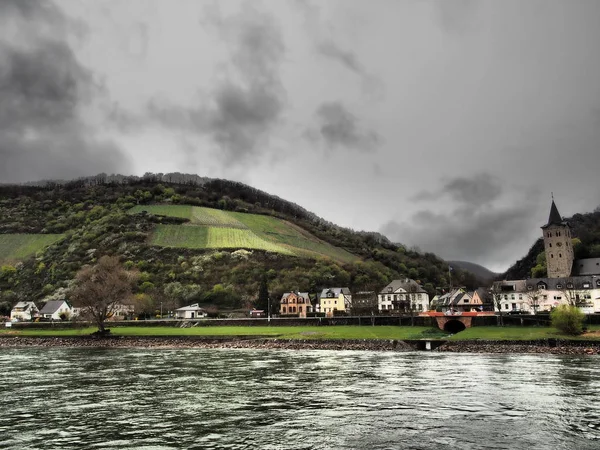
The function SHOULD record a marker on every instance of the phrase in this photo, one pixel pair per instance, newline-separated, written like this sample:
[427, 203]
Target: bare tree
[101, 288]
[574, 292]
[533, 298]
[497, 294]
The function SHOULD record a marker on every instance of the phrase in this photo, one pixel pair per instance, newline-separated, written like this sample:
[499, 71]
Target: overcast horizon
[444, 124]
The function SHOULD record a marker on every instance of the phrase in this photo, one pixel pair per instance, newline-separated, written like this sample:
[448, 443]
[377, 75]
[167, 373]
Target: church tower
[557, 244]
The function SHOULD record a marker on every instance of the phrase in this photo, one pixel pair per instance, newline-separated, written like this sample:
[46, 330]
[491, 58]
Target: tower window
[550, 244]
[560, 255]
[551, 255]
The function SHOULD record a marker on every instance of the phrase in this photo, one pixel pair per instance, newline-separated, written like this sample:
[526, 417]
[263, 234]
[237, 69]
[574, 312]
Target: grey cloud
[338, 127]
[43, 89]
[238, 115]
[345, 57]
[468, 231]
[456, 16]
[476, 191]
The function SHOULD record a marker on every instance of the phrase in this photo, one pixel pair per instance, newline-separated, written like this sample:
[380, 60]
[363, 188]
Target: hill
[585, 229]
[199, 240]
[484, 275]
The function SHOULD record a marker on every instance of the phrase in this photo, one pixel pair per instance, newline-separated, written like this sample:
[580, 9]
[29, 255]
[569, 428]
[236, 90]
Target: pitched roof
[24, 305]
[193, 307]
[407, 284]
[52, 306]
[335, 291]
[554, 218]
[588, 266]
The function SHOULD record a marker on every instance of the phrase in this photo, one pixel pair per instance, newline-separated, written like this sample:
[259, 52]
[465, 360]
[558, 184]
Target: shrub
[568, 319]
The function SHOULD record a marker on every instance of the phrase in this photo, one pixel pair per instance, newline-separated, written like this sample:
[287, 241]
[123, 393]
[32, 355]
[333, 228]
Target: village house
[364, 303]
[335, 300]
[24, 311]
[457, 301]
[403, 295]
[56, 310]
[295, 303]
[190, 312]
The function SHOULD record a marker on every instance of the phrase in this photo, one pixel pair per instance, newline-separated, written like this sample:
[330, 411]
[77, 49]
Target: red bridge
[457, 321]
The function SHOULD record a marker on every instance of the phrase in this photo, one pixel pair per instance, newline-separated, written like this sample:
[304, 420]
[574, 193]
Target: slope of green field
[214, 228]
[180, 236]
[215, 218]
[16, 247]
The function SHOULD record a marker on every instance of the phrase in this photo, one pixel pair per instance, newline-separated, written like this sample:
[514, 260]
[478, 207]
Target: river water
[277, 399]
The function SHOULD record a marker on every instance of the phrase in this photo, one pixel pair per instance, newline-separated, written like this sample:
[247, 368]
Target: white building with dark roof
[24, 311]
[405, 294]
[56, 310]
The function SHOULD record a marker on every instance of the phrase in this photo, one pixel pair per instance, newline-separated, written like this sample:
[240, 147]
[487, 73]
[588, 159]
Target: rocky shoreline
[550, 346]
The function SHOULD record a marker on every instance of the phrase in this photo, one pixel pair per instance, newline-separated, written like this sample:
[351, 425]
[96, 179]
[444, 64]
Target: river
[282, 399]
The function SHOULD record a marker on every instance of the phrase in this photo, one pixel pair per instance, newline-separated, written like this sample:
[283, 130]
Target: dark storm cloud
[483, 224]
[476, 191]
[43, 89]
[338, 127]
[242, 110]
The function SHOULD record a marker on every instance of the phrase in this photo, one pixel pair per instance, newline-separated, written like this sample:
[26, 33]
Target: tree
[262, 302]
[497, 295]
[533, 298]
[99, 289]
[568, 319]
[575, 293]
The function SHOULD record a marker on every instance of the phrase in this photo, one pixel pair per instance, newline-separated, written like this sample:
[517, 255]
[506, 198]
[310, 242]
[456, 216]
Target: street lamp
[161, 310]
[269, 310]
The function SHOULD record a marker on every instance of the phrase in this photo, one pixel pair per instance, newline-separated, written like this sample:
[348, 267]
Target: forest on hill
[91, 217]
[585, 229]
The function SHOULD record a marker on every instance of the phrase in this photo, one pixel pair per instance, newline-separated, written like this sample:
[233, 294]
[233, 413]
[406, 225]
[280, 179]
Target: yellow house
[335, 300]
[295, 303]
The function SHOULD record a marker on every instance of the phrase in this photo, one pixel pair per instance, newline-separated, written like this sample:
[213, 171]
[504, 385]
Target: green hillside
[17, 247]
[214, 228]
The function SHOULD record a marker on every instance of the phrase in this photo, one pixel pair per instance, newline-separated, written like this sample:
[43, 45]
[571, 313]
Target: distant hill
[484, 275]
[585, 230]
[194, 240]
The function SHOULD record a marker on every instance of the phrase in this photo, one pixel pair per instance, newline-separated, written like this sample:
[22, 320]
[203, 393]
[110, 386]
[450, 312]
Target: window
[299, 308]
[505, 296]
[550, 244]
[529, 288]
[586, 285]
[514, 306]
[283, 310]
[545, 297]
[389, 289]
[570, 285]
[395, 297]
[512, 296]
[560, 255]
[520, 296]
[466, 300]
[559, 286]
[551, 255]
[506, 306]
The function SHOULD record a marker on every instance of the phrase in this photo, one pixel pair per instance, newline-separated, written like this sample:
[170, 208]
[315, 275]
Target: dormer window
[529, 288]
[569, 285]
[559, 286]
[586, 285]
[389, 289]
[598, 283]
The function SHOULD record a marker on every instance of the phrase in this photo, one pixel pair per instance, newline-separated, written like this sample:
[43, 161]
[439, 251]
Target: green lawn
[324, 332]
[16, 247]
[337, 332]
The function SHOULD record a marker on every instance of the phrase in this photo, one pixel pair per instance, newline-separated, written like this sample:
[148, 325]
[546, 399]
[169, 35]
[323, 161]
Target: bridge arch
[454, 326]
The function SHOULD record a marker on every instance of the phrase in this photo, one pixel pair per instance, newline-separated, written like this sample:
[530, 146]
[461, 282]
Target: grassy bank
[337, 332]
[333, 332]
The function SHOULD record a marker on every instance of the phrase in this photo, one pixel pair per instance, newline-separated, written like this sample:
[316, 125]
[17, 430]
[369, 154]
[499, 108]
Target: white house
[23, 311]
[190, 312]
[403, 294]
[543, 294]
[54, 309]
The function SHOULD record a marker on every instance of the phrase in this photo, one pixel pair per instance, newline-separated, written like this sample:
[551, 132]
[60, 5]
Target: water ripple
[248, 399]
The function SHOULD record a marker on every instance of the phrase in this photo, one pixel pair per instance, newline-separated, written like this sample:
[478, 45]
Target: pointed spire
[554, 218]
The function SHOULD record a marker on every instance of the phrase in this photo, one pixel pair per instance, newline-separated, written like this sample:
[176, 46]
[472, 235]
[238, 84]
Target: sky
[445, 125]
